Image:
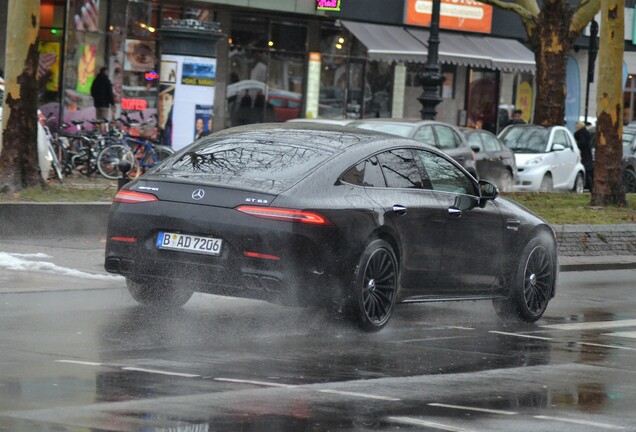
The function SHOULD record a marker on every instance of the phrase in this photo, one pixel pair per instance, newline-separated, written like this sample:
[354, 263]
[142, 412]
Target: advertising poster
[49, 64]
[139, 55]
[192, 93]
[202, 121]
[198, 74]
[86, 68]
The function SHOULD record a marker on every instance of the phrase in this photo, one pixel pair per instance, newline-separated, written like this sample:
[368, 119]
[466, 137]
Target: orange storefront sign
[467, 15]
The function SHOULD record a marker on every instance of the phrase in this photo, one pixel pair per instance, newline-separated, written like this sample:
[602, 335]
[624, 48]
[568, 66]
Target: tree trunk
[550, 43]
[19, 156]
[608, 165]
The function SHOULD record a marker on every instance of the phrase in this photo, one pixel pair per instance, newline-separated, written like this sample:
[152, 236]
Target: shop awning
[388, 43]
[455, 48]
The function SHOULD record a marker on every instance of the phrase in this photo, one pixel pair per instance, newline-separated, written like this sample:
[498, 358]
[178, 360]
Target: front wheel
[375, 286]
[158, 293]
[533, 283]
[579, 183]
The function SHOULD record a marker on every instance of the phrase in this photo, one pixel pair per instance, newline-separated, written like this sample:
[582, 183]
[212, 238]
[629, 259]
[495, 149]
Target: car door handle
[399, 210]
[455, 212]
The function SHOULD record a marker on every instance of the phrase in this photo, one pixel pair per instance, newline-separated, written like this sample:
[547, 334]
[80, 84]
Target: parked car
[314, 215]
[629, 156]
[494, 161]
[547, 158]
[445, 137]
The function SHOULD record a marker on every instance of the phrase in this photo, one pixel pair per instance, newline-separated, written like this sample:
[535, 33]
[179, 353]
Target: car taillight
[282, 214]
[131, 197]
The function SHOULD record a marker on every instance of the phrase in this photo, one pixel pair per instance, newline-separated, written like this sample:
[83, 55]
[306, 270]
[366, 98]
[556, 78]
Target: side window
[474, 141]
[400, 169]
[425, 135]
[561, 138]
[491, 143]
[444, 176]
[446, 138]
[365, 173]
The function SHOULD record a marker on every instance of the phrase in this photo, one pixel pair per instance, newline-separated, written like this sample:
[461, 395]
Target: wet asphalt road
[91, 360]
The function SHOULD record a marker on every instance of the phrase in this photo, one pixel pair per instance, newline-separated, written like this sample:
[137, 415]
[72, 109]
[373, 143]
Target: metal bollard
[124, 166]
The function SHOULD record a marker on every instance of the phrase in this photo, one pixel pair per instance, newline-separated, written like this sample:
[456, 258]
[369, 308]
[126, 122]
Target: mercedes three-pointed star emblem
[198, 194]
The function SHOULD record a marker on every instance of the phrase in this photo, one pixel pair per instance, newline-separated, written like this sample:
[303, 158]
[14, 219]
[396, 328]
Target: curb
[71, 219]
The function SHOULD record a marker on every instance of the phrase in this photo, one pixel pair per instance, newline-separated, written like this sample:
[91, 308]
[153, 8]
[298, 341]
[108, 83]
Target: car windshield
[403, 130]
[526, 139]
[246, 163]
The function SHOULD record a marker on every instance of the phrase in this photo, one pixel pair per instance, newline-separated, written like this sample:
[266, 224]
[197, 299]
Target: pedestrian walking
[103, 98]
[584, 141]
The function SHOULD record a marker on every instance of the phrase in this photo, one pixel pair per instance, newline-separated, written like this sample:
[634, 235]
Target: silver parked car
[547, 158]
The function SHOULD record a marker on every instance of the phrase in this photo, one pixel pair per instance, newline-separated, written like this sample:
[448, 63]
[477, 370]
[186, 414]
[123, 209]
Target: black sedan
[311, 215]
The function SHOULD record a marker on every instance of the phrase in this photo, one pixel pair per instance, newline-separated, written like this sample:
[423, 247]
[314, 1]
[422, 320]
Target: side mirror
[558, 147]
[488, 192]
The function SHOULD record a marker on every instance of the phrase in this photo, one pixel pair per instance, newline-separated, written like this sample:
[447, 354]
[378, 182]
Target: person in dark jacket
[102, 92]
[584, 142]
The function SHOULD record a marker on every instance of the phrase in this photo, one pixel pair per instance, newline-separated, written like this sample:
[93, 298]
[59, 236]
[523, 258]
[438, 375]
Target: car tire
[375, 282]
[629, 180]
[546, 184]
[158, 294]
[579, 183]
[533, 283]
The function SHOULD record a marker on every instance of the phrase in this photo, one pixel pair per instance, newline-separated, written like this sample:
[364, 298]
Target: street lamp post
[431, 79]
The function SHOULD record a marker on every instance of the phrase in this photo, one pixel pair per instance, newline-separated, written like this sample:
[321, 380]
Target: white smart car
[547, 158]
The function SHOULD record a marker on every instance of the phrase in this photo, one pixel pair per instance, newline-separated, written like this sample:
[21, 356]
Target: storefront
[275, 66]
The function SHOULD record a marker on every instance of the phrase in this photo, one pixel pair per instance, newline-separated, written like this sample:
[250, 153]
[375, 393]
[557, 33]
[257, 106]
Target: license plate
[189, 243]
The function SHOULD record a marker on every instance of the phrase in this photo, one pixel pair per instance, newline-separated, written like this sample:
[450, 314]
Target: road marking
[160, 372]
[606, 346]
[261, 383]
[627, 334]
[486, 410]
[592, 325]
[581, 422]
[84, 363]
[418, 422]
[520, 335]
[362, 395]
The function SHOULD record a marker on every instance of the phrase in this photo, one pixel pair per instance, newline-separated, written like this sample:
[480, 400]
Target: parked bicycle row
[99, 149]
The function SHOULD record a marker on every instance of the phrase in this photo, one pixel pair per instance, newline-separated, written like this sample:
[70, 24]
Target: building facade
[282, 59]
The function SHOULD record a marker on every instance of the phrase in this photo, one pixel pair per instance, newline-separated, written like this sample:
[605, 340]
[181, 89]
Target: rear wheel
[375, 286]
[579, 183]
[629, 180]
[157, 293]
[532, 285]
[546, 184]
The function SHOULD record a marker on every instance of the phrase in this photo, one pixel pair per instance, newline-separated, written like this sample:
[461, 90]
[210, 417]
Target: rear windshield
[526, 139]
[244, 163]
[390, 128]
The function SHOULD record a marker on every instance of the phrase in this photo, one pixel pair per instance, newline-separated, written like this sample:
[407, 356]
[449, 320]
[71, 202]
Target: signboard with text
[466, 15]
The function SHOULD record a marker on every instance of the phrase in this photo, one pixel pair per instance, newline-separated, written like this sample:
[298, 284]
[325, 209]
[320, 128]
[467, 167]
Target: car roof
[326, 136]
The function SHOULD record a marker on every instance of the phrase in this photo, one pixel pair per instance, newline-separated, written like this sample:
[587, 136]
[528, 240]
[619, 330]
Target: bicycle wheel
[108, 161]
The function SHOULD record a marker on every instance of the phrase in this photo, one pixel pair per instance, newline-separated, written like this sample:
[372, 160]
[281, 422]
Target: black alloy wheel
[533, 284]
[376, 282]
